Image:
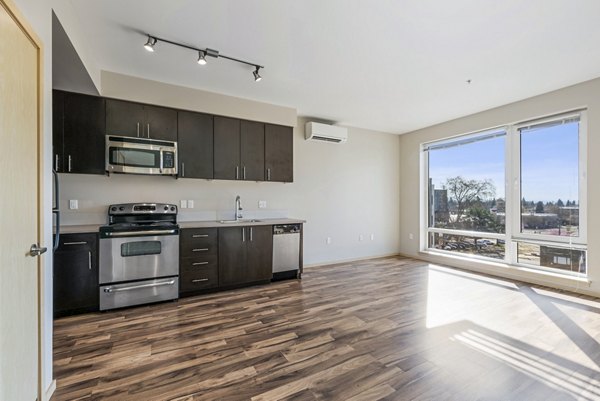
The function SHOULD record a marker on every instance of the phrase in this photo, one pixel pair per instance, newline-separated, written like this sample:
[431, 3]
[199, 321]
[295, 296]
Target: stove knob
[172, 208]
[121, 208]
[113, 209]
[166, 207]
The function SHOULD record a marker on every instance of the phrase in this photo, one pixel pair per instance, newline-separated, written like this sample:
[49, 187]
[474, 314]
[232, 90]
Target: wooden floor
[393, 328]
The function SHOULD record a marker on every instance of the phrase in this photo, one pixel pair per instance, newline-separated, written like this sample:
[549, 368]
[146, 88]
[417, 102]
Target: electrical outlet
[262, 204]
[372, 237]
[183, 204]
[190, 204]
[360, 237]
[73, 204]
[411, 236]
[328, 241]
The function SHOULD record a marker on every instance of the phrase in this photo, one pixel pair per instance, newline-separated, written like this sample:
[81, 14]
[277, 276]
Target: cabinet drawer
[199, 278]
[198, 240]
[198, 250]
[196, 263]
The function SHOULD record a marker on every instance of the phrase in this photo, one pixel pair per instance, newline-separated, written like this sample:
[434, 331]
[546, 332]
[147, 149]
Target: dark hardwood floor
[393, 328]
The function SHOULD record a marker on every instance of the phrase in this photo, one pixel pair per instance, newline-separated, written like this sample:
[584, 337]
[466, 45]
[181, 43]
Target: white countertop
[93, 228]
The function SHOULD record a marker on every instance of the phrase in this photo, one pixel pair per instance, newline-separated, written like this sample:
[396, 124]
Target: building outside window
[514, 193]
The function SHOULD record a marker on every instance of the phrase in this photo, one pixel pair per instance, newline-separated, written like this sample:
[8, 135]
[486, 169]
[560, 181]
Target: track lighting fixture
[201, 58]
[257, 76]
[150, 44]
[203, 53]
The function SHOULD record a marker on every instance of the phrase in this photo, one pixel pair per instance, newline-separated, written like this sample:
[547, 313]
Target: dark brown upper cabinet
[195, 145]
[252, 151]
[78, 133]
[239, 149]
[140, 120]
[279, 153]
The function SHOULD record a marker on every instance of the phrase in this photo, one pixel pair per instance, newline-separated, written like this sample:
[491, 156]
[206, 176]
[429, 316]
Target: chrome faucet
[238, 208]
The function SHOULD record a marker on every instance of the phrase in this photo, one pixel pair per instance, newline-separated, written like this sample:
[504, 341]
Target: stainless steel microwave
[140, 156]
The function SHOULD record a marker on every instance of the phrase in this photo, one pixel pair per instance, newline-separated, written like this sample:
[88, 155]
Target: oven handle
[137, 287]
[139, 233]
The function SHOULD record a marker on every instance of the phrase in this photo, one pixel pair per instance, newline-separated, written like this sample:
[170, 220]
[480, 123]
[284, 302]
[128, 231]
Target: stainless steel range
[139, 255]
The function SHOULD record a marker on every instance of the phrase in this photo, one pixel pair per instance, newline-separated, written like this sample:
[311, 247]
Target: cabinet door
[75, 274]
[259, 260]
[195, 145]
[84, 139]
[227, 148]
[232, 256]
[58, 115]
[160, 123]
[124, 118]
[252, 152]
[279, 153]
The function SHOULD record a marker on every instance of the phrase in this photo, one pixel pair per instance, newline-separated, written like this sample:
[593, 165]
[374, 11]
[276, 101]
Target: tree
[560, 203]
[481, 219]
[466, 192]
[539, 207]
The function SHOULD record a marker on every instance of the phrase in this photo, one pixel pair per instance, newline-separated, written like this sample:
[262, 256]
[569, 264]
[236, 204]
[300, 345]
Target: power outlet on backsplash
[262, 204]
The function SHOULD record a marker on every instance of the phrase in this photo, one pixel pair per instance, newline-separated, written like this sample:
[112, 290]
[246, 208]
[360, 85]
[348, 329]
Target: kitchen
[251, 222]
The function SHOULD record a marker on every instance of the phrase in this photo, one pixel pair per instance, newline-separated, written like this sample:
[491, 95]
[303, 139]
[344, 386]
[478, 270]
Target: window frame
[512, 158]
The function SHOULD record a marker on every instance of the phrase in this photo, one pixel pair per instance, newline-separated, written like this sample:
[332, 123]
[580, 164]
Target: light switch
[73, 204]
[190, 204]
[183, 204]
[360, 237]
[328, 241]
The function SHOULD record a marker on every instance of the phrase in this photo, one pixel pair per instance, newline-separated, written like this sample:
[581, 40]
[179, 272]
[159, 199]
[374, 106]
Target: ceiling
[389, 65]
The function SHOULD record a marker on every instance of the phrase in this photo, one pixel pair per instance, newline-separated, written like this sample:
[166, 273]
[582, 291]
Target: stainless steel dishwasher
[286, 251]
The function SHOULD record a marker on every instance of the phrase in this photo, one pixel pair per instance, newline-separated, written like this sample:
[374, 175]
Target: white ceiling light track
[202, 54]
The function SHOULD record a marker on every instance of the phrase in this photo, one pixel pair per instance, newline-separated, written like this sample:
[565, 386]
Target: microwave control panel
[168, 160]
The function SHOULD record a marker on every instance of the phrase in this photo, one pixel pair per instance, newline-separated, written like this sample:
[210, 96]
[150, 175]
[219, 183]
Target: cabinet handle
[148, 130]
[199, 249]
[56, 162]
[200, 236]
[69, 163]
[268, 174]
[182, 169]
[90, 260]
[244, 172]
[138, 129]
[243, 234]
[250, 234]
[75, 243]
[199, 263]
[237, 172]
[199, 280]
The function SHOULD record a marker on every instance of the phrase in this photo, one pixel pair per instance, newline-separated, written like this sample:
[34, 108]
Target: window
[537, 221]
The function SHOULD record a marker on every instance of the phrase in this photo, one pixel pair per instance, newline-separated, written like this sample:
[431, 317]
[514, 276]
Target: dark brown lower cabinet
[245, 255]
[198, 260]
[75, 274]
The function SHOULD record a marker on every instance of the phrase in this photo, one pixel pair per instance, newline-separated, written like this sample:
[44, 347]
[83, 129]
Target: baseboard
[336, 262]
[49, 391]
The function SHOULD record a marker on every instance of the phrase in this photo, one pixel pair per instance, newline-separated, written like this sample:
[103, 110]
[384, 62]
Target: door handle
[138, 129]
[244, 172]
[56, 162]
[36, 250]
[200, 236]
[243, 234]
[199, 249]
[137, 287]
[89, 260]
[250, 234]
[69, 163]
[268, 174]
[199, 263]
[75, 243]
[148, 130]
[237, 172]
[182, 169]
[199, 280]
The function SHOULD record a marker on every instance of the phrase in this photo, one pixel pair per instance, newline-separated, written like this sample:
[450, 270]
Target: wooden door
[227, 148]
[279, 153]
[160, 123]
[20, 117]
[124, 118]
[75, 274]
[252, 151]
[195, 145]
[232, 256]
[84, 139]
[259, 260]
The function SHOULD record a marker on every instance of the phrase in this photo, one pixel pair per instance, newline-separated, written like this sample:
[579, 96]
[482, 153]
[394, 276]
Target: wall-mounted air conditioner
[324, 132]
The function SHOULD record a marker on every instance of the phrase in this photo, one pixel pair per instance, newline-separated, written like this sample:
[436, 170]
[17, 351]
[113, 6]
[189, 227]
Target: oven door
[140, 156]
[138, 258]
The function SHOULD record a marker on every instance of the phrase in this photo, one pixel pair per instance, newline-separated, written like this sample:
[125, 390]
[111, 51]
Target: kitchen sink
[239, 221]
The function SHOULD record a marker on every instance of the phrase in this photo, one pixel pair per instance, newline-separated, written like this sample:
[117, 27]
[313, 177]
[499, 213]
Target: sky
[549, 167]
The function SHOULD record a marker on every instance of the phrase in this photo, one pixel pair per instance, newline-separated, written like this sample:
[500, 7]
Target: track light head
[257, 76]
[150, 44]
[201, 58]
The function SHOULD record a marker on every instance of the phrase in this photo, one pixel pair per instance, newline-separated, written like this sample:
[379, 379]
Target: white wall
[582, 95]
[342, 190]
